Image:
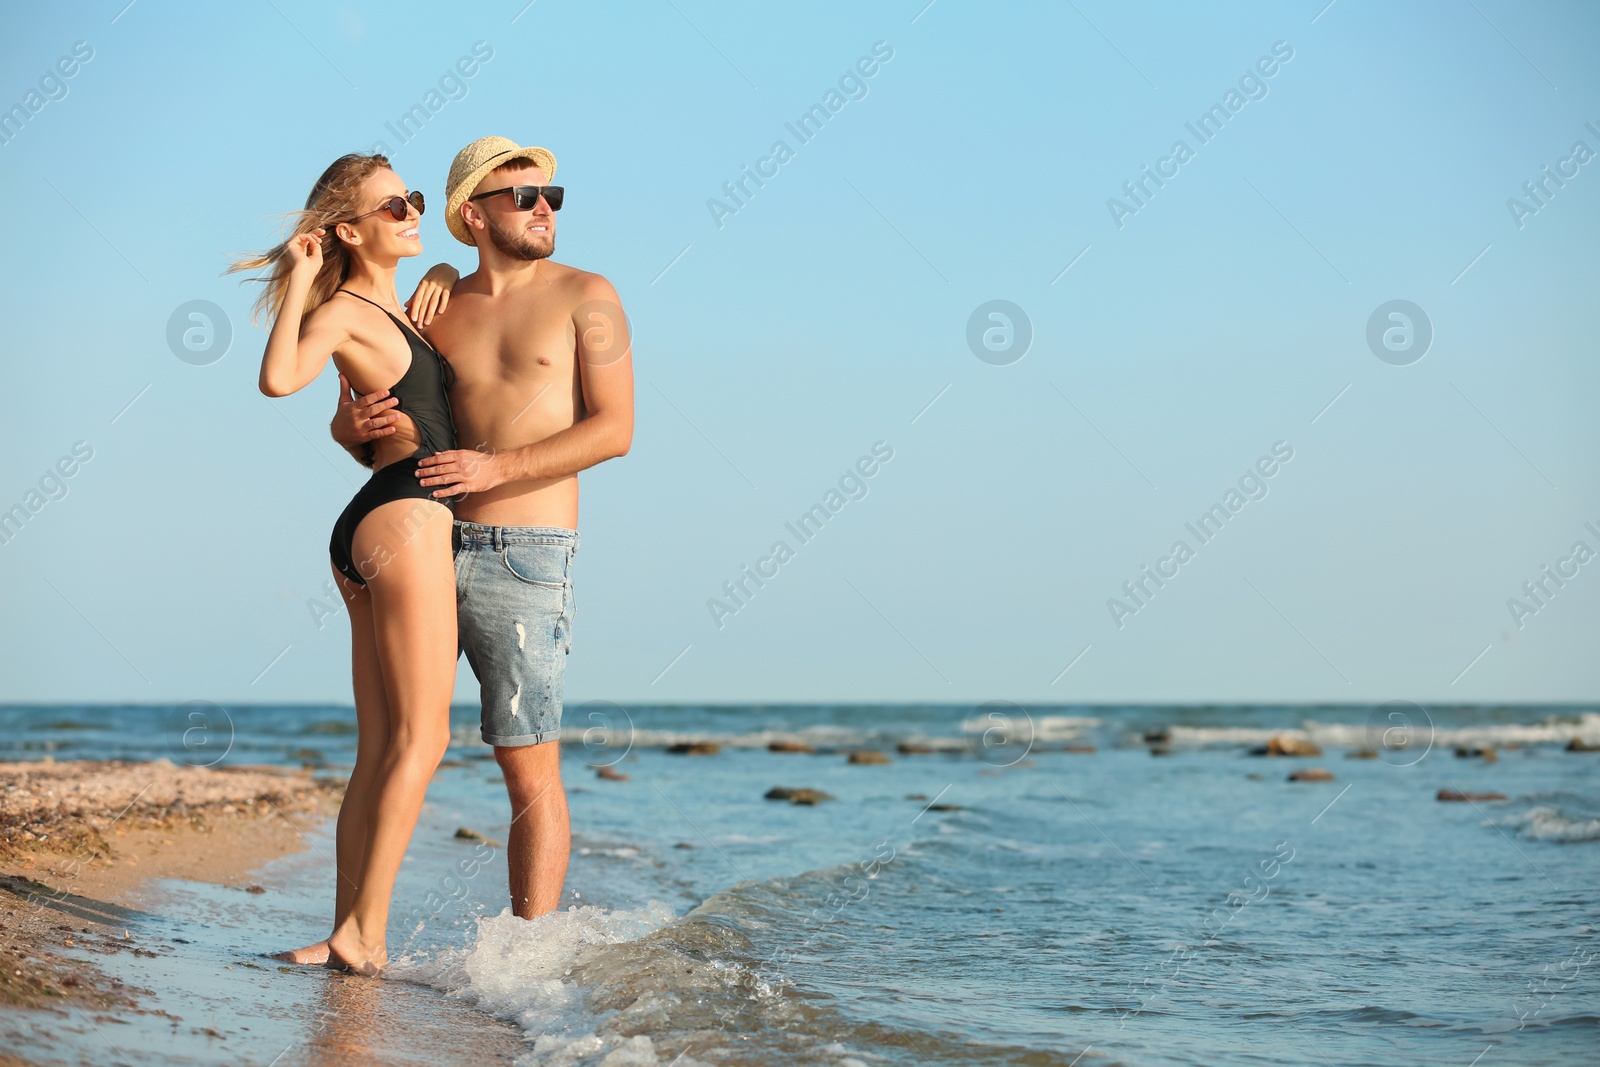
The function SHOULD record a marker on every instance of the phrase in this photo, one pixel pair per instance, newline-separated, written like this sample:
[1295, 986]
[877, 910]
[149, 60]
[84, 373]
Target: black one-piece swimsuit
[421, 395]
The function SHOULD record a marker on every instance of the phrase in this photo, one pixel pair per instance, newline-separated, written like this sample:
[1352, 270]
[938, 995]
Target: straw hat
[475, 161]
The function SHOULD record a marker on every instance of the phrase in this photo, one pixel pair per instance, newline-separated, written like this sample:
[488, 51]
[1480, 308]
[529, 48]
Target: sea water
[990, 898]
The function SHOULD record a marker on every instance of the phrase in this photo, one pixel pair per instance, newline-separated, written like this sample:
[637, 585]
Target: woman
[330, 290]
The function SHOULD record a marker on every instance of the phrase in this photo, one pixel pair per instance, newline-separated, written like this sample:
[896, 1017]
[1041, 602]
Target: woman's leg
[403, 550]
[372, 740]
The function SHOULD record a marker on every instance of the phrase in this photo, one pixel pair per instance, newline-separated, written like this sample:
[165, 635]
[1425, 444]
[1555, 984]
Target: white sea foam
[594, 987]
[1550, 823]
[521, 969]
[620, 739]
[614, 738]
[1553, 730]
[1042, 727]
[621, 852]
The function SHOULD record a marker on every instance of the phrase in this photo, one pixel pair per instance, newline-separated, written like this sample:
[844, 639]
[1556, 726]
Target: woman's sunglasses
[396, 206]
[527, 196]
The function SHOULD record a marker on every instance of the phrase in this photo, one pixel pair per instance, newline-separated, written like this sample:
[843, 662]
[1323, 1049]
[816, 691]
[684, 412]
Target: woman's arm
[433, 293]
[293, 360]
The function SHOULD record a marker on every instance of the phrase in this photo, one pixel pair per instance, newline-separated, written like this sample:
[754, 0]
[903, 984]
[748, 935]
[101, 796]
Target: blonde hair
[335, 198]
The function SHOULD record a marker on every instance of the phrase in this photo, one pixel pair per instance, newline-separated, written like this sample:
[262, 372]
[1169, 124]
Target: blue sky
[1169, 354]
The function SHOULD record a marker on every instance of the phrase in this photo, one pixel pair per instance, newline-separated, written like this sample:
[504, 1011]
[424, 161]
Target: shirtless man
[543, 389]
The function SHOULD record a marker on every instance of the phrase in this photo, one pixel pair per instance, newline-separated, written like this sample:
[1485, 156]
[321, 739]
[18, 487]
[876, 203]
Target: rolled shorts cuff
[521, 740]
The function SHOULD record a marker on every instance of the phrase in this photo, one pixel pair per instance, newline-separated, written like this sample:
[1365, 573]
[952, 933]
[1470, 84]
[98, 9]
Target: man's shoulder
[476, 281]
[583, 283]
[561, 281]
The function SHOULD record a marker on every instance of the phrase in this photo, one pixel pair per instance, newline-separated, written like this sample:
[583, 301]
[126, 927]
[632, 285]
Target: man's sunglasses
[396, 206]
[527, 196]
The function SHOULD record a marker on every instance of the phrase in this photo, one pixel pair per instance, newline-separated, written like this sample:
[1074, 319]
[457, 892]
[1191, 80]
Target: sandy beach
[87, 851]
[78, 840]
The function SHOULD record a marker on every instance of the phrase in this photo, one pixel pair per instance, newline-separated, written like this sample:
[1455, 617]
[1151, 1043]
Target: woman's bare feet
[347, 953]
[310, 956]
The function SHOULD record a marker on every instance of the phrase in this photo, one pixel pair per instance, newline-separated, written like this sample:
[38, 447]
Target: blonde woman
[330, 291]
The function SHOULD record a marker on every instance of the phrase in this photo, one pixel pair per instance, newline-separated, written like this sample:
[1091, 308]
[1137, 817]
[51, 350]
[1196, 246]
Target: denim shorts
[514, 609]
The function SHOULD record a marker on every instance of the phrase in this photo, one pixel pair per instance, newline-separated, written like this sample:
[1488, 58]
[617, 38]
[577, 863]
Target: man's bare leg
[541, 833]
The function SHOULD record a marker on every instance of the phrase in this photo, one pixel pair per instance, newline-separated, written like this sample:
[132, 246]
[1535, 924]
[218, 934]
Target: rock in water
[695, 748]
[1311, 774]
[1458, 795]
[914, 748]
[797, 796]
[1578, 744]
[467, 833]
[1292, 746]
[867, 755]
[610, 774]
[789, 746]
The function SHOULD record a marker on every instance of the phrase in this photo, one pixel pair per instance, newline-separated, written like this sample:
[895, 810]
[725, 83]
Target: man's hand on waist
[460, 471]
[357, 421]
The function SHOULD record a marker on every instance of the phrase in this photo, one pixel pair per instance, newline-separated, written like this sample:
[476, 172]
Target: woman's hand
[433, 294]
[299, 346]
[305, 252]
[358, 420]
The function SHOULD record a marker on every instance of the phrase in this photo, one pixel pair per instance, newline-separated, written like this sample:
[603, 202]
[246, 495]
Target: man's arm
[605, 374]
[358, 421]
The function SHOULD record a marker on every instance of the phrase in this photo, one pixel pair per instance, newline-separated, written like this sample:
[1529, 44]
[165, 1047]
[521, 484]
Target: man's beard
[517, 243]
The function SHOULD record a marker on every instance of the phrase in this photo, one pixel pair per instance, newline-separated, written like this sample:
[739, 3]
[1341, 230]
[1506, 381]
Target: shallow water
[1114, 907]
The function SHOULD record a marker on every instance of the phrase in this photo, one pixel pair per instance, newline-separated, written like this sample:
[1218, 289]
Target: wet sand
[104, 958]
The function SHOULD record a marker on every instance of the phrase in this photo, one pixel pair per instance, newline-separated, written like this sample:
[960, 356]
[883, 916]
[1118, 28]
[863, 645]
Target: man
[543, 389]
